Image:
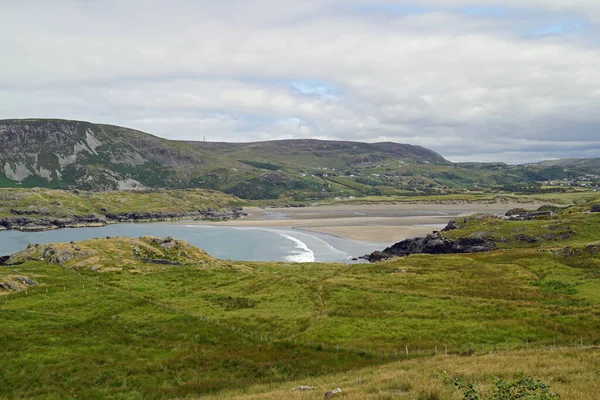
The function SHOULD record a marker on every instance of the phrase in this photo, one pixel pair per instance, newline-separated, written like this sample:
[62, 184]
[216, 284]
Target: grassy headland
[48, 209]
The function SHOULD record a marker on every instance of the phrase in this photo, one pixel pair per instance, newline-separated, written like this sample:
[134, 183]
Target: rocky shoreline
[434, 243]
[39, 223]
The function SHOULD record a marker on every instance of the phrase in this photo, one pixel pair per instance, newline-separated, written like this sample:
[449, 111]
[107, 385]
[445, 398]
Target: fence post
[446, 349]
[435, 351]
[406, 348]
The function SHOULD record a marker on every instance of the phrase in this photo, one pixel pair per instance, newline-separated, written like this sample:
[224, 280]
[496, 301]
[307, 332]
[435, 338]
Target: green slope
[63, 154]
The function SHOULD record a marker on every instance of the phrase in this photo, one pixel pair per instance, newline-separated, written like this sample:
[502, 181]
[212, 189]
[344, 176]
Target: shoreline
[49, 223]
[368, 223]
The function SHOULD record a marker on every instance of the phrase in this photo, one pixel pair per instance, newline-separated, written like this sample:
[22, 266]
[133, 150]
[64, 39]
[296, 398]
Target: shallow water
[223, 242]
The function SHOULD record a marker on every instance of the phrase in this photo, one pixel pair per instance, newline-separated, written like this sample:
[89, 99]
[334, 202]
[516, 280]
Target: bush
[524, 388]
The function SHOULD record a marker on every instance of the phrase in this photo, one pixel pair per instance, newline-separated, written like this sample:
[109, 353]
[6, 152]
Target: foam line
[303, 254]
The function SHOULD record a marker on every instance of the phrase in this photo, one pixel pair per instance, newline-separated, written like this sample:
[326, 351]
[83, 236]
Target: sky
[475, 80]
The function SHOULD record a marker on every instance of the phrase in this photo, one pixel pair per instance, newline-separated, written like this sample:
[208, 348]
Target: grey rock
[332, 393]
[432, 244]
[303, 388]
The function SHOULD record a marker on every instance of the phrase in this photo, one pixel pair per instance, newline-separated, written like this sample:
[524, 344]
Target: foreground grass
[127, 318]
[459, 301]
[574, 374]
[82, 339]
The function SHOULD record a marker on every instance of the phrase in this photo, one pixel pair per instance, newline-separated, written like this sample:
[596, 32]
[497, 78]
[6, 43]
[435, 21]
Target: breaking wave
[302, 252]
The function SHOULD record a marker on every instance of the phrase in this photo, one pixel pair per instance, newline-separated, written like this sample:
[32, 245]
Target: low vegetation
[569, 225]
[571, 373]
[58, 203]
[159, 318]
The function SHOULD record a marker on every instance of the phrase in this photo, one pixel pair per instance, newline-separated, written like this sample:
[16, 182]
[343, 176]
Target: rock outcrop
[432, 244]
[51, 253]
[16, 283]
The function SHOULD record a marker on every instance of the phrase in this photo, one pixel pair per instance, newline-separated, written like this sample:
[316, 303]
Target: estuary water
[223, 242]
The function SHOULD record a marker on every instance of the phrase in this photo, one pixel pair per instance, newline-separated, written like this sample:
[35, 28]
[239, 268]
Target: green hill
[75, 154]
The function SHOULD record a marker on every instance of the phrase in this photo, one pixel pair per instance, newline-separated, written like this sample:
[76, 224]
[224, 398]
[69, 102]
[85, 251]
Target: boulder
[303, 388]
[528, 239]
[515, 211]
[332, 393]
[452, 225]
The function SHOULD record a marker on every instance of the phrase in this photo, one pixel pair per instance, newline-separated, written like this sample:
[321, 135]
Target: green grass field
[148, 318]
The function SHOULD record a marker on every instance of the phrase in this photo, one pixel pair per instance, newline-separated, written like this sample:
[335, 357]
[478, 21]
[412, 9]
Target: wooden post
[337, 348]
[446, 349]
[506, 344]
[406, 348]
[435, 350]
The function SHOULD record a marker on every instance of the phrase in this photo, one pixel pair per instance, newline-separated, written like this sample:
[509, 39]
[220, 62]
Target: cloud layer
[474, 80]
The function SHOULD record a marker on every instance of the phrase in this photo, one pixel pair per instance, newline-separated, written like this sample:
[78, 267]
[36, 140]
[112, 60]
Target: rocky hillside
[74, 154]
[62, 154]
[117, 254]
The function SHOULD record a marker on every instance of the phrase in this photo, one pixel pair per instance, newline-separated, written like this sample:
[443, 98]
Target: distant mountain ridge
[76, 154]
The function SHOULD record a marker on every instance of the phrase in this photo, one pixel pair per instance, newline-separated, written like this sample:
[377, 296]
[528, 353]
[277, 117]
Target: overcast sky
[479, 80]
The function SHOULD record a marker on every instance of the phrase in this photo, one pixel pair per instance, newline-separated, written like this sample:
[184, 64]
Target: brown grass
[573, 373]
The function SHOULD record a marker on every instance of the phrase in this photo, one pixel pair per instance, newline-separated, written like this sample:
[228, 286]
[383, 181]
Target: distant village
[589, 181]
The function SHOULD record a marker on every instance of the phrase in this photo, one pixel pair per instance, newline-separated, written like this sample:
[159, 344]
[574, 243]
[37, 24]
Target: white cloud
[468, 87]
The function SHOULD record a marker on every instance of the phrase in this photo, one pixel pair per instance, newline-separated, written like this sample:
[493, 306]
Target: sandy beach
[387, 223]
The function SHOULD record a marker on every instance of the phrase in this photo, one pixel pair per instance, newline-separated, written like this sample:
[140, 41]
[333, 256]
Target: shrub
[524, 388]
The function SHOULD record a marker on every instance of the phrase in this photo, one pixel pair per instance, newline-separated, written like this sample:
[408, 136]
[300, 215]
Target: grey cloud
[469, 88]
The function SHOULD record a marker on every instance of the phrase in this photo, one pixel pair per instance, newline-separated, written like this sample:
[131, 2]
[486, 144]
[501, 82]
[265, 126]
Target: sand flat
[377, 223]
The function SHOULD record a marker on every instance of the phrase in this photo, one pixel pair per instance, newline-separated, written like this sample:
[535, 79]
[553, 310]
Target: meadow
[159, 318]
